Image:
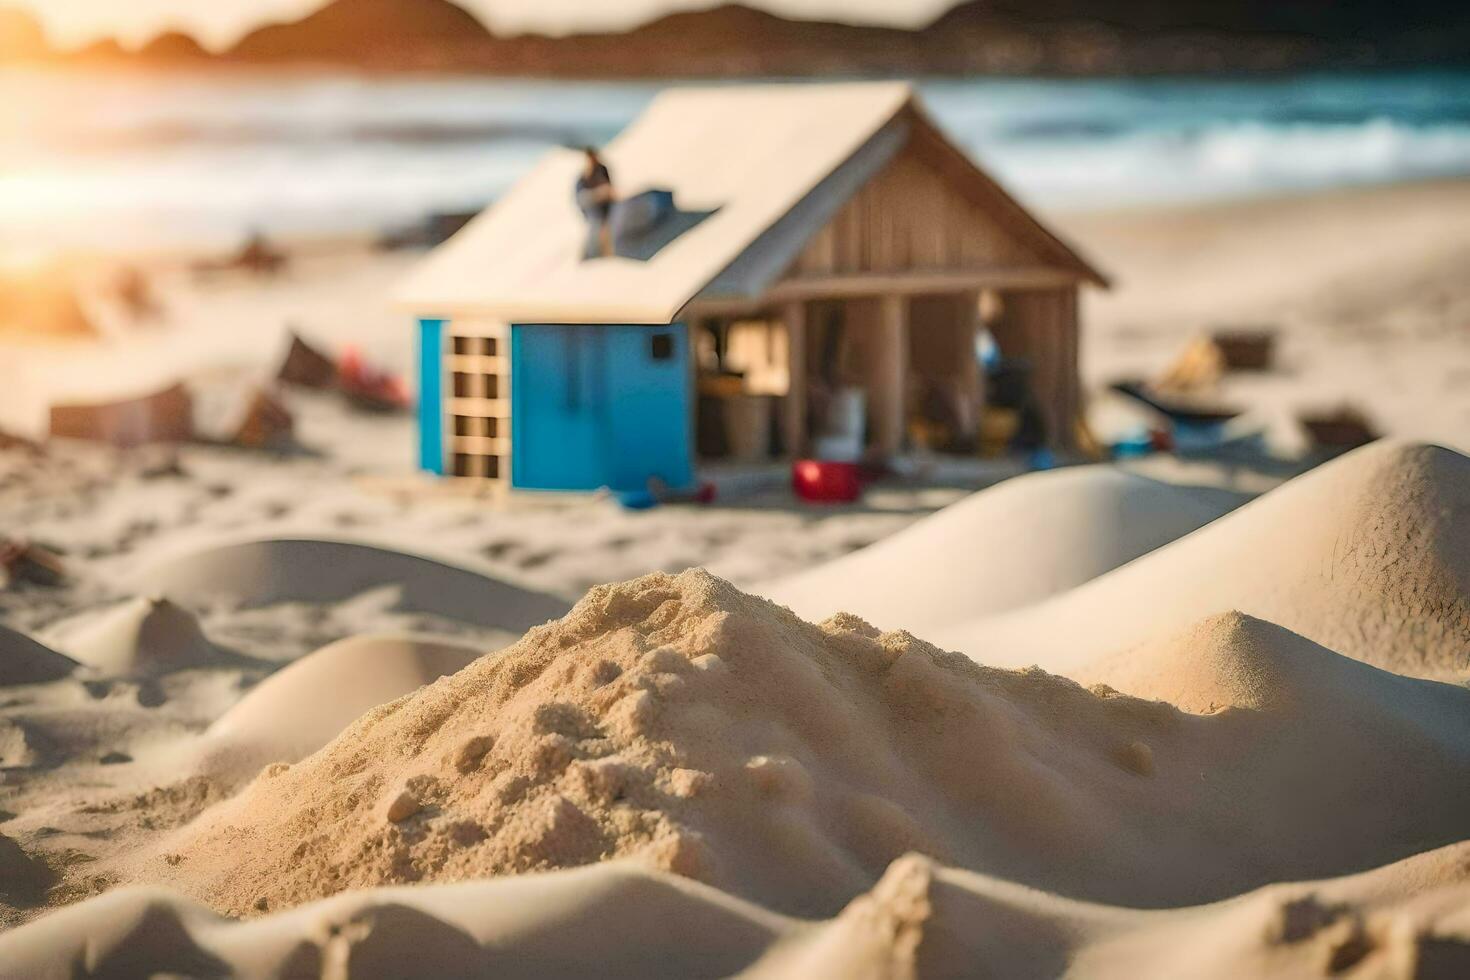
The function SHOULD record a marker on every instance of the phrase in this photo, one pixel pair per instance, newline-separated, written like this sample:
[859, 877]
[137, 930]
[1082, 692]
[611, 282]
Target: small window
[492, 385]
[489, 347]
[661, 347]
[462, 464]
[462, 345]
[461, 385]
[463, 426]
[492, 467]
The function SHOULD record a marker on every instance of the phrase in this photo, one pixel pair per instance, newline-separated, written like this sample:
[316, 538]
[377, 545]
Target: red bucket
[826, 482]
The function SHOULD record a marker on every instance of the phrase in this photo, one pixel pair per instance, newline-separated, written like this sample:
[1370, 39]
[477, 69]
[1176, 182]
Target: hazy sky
[219, 22]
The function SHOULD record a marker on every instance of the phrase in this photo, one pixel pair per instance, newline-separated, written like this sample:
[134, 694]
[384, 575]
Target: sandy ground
[207, 704]
[1366, 288]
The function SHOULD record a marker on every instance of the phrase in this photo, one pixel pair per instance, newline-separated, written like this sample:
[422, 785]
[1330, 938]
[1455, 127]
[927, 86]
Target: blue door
[556, 415]
[599, 406]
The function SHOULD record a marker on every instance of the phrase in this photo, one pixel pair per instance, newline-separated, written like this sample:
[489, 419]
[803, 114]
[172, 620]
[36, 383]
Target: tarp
[164, 416]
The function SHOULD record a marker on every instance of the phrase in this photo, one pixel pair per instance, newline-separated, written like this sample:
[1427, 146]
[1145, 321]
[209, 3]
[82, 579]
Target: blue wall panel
[599, 405]
[651, 411]
[431, 395]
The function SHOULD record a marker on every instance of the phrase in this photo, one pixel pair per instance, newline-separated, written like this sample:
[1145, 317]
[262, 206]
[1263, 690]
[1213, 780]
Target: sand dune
[304, 706]
[1368, 555]
[257, 573]
[1237, 661]
[143, 637]
[621, 920]
[611, 920]
[921, 920]
[26, 661]
[1013, 544]
[716, 735]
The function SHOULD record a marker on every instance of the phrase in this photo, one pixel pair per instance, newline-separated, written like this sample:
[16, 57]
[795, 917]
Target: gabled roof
[759, 168]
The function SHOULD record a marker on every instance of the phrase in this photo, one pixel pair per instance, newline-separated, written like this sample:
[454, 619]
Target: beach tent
[817, 213]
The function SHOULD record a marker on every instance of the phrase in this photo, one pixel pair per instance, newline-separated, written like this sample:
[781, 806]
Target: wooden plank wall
[1041, 325]
[912, 218]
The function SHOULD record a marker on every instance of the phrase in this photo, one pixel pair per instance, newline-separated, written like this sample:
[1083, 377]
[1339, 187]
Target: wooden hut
[831, 235]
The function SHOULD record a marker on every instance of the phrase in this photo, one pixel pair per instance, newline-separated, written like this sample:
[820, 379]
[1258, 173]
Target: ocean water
[140, 161]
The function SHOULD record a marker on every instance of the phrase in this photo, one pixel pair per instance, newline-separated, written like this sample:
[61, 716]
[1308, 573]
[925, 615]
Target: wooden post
[889, 367]
[967, 329]
[793, 409]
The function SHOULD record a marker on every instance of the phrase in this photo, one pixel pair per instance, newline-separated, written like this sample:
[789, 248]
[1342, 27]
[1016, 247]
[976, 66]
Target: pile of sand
[25, 661]
[1237, 661]
[143, 637]
[1368, 555]
[920, 920]
[1013, 544]
[304, 706]
[259, 573]
[716, 735]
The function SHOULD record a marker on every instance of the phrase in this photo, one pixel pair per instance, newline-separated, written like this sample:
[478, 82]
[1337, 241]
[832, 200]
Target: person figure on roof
[595, 197]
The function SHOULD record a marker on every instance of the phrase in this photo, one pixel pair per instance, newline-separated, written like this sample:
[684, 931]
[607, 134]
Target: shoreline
[1089, 218]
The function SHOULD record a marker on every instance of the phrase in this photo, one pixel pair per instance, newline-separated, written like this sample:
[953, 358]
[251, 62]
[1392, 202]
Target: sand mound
[611, 920]
[920, 920]
[304, 706]
[140, 638]
[1368, 555]
[716, 735]
[925, 921]
[25, 661]
[258, 573]
[1013, 544]
[1237, 661]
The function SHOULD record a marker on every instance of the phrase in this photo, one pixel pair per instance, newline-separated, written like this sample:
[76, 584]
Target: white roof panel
[744, 155]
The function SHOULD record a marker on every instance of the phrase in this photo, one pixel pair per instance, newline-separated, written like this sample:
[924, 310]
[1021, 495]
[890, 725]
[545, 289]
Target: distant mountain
[979, 36]
[21, 38]
[976, 37]
[173, 46]
[375, 33]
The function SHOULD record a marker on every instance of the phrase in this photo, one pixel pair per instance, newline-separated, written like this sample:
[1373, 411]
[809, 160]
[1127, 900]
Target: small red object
[368, 385]
[825, 481]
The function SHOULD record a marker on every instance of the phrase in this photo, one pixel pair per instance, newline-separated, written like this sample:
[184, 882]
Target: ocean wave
[180, 162]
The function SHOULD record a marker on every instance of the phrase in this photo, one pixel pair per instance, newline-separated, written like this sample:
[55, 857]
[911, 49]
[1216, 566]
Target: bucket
[842, 432]
[748, 427]
[826, 482]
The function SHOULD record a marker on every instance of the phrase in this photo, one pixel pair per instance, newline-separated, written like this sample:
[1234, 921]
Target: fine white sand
[722, 738]
[1368, 555]
[300, 695]
[618, 919]
[305, 705]
[1024, 540]
[138, 638]
[257, 573]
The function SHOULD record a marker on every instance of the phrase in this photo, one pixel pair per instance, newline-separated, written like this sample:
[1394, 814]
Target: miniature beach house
[824, 265]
